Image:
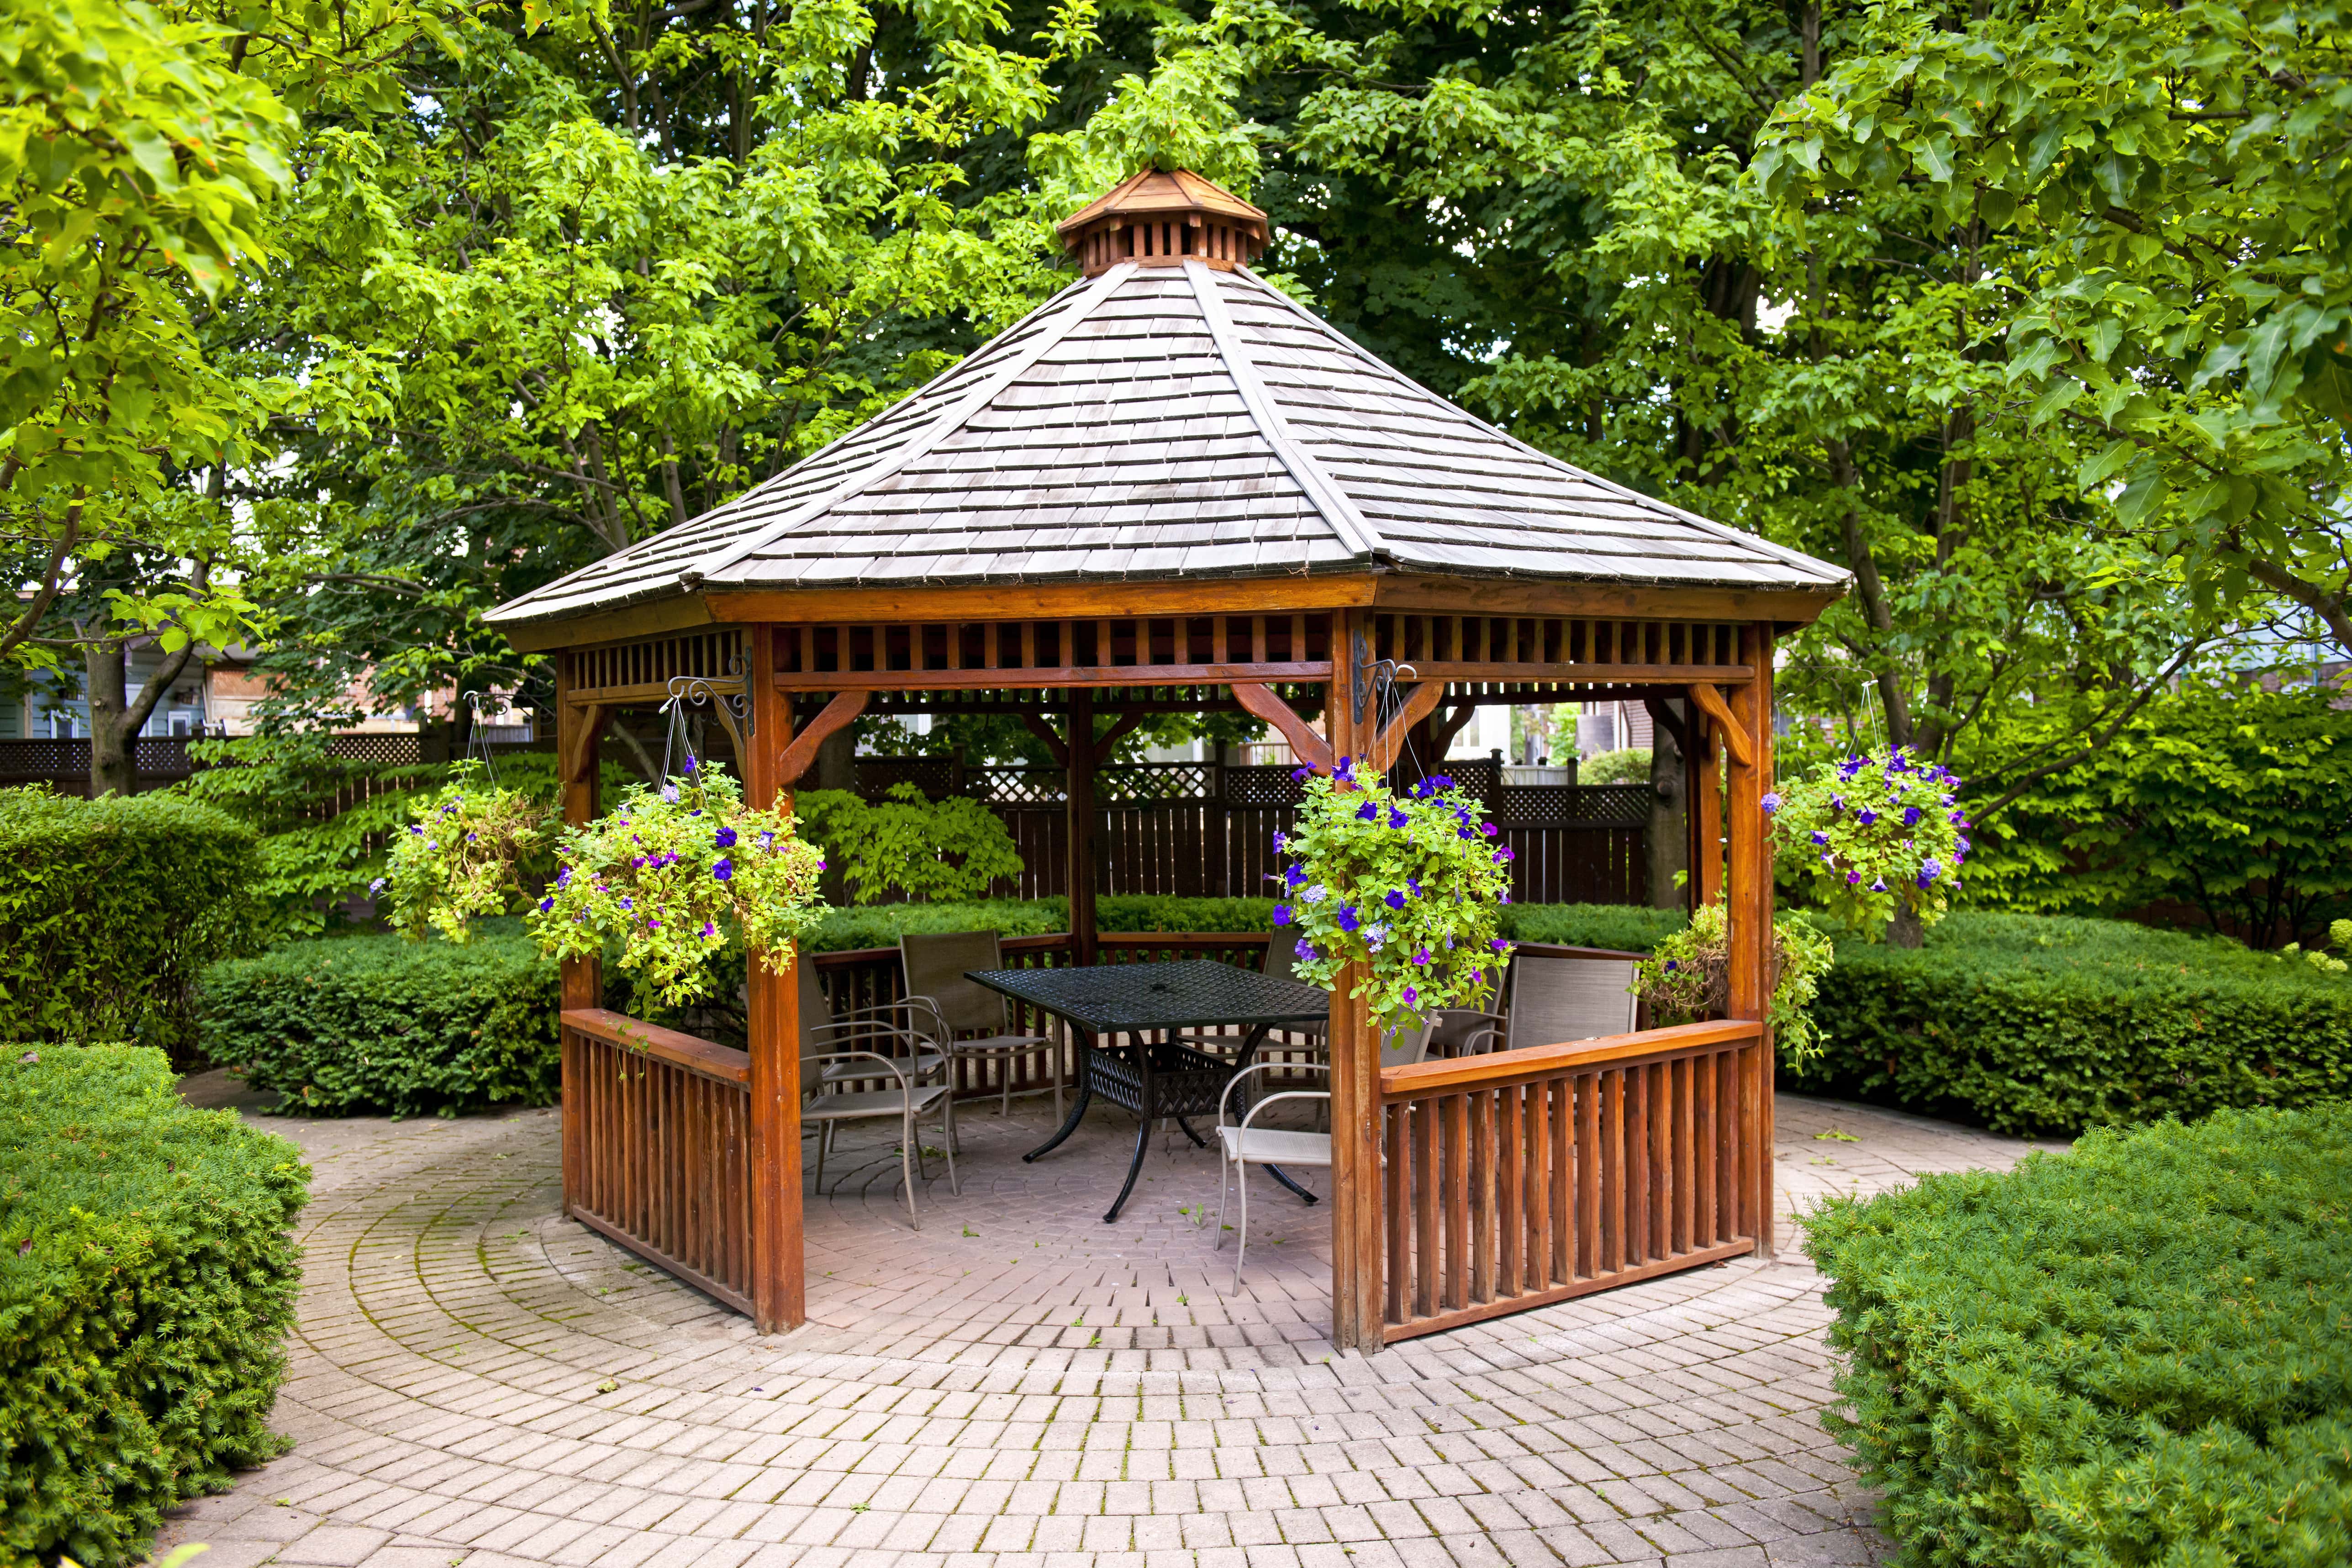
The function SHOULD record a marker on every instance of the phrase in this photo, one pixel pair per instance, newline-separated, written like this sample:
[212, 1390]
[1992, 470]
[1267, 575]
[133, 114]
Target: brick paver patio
[477, 1381]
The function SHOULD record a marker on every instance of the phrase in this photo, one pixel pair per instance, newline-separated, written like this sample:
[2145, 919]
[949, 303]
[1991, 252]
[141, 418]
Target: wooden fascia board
[1405, 591]
[630, 623]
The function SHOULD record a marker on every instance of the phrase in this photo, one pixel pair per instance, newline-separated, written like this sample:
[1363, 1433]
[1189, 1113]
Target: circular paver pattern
[478, 1380]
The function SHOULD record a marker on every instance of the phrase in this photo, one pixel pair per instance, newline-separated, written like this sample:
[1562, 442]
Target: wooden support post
[779, 1269]
[1081, 787]
[1703, 808]
[577, 729]
[1356, 1268]
[1750, 907]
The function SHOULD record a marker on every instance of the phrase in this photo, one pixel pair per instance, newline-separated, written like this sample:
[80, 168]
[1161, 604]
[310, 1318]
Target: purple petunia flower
[709, 929]
[1837, 804]
[545, 905]
[1464, 832]
[1422, 956]
[1345, 768]
[669, 793]
[1820, 837]
[1282, 914]
[1911, 814]
[1411, 997]
[723, 868]
[1959, 819]
[1304, 950]
[725, 839]
[689, 762]
[1281, 842]
[1347, 916]
[1963, 842]
[1505, 856]
[1499, 944]
[768, 840]
[1852, 877]
[1673, 964]
[418, 831]
[1294, 877]
[627, 905]
[1397, 818]
[1299, 774]
[375, 887]
[1415, 884]
[1879, 886]
[1928, 872]
[1394, 900]
[1770, 803]
[1865, 817]
[563, 878]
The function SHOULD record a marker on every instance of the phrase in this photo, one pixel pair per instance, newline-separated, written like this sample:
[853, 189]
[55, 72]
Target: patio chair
[943, 1006]
[888, 1028]
[1556, 999]
[825, 1105]
[1245, 1143]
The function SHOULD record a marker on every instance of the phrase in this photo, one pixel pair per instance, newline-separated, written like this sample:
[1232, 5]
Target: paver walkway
[477, 1381]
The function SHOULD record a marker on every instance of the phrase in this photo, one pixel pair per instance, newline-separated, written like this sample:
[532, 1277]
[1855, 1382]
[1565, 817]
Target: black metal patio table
[1162, 1078]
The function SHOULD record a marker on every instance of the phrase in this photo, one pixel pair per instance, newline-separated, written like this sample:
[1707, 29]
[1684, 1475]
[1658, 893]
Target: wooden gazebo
[1172, 487]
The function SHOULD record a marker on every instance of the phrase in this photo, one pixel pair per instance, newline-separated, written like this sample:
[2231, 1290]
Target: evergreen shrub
[147, 1285]
[2033, 1024]
[2137, 1352]
[111, 909]
[364, 1025]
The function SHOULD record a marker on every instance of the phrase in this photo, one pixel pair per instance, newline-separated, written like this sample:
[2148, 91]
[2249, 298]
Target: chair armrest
[889, 1066]
[1321, 1094]
[1225, 1100]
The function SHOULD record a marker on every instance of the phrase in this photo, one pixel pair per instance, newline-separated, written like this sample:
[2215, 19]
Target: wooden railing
[1532, 1175]
[661, 1160]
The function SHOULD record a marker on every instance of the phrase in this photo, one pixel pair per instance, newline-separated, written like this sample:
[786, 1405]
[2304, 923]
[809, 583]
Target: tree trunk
[113, 752]
[1669, 838]
[1904, 930]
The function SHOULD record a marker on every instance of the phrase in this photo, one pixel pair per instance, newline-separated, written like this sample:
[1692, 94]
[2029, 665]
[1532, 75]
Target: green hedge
[113, 908]
[147, 1284]
[2031, 1024]
[2137, 1352]
[346, 1026]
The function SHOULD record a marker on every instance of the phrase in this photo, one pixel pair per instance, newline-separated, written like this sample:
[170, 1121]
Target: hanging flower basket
[1872, 834]
[671, 876]
[458, 862]
[1411, 887]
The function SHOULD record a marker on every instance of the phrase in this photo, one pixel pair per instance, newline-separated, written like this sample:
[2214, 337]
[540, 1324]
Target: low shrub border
[2031, 1024]
[113, 908]
[147, 1284]
[360, 1025]
[2137, 1352]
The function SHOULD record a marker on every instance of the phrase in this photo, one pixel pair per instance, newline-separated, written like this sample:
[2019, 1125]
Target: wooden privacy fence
[1545, 1171]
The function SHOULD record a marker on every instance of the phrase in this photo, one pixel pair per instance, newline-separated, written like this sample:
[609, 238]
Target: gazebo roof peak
[1164, 219]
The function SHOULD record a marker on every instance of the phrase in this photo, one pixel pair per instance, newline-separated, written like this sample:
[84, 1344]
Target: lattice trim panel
[639, 671]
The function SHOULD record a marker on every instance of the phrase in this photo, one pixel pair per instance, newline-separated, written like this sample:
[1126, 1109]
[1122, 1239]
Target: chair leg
[1004, 1084]
[954, 1185]
[1241, 1236]
[1224, 1170]
[908, 1148]
[823, 1143]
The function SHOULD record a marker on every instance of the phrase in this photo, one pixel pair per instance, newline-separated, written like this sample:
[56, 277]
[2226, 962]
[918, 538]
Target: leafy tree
[2231, 799]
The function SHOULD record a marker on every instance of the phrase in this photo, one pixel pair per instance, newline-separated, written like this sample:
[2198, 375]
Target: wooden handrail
[691, 1052]
[1419, 1078]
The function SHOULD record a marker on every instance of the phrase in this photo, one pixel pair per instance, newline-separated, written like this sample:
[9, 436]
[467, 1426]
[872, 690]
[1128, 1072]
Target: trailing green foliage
[348, 1026]
[147, 1284]
[879, 925]
[2033, 1024]
[1687, 977]
[112, 907]
[950, 848]
[460, 857]
[1871, 837]
[2138, 1353]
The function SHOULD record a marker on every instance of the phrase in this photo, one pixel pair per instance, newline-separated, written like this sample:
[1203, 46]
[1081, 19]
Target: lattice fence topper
[1603, 805]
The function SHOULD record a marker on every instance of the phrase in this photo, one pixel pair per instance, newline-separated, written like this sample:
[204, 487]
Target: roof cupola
[1164, 220]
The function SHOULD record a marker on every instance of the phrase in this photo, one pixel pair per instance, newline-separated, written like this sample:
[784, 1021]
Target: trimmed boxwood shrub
[147, 1284]
[113, 908]
[2137, 1352]
[2031, 1024]
[351, 1025]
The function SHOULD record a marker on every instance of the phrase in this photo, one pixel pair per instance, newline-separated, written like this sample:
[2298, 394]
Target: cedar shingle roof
[1163, 422]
